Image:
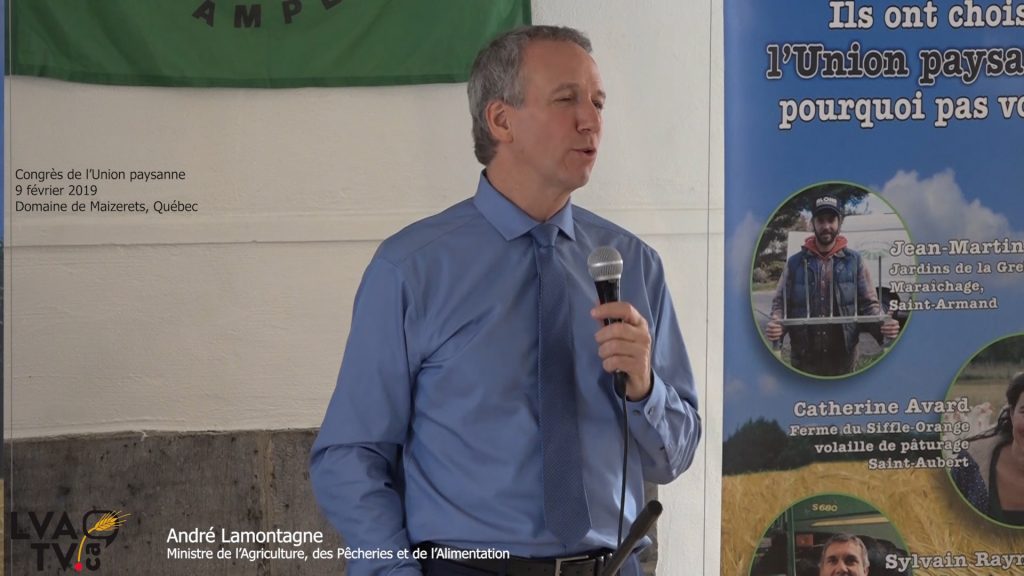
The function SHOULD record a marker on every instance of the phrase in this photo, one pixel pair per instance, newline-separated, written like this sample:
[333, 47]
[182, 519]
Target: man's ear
[498, 115]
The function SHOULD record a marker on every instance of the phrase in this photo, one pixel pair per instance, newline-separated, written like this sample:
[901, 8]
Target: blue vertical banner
[874, 325]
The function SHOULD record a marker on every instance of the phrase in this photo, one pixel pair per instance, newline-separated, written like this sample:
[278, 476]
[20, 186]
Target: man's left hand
[625, 346]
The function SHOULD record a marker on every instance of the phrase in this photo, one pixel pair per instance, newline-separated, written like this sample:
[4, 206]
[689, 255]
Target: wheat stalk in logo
[106, 523]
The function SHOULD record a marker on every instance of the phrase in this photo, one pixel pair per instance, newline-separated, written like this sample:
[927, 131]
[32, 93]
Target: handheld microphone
[605, 267]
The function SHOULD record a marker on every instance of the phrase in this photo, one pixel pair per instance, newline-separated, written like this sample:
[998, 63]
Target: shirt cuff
[653, 406]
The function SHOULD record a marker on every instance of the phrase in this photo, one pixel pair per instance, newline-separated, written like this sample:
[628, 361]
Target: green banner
[254, 43]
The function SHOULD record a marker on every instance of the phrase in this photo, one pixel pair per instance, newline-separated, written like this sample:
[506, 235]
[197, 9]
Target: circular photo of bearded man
[822, 277]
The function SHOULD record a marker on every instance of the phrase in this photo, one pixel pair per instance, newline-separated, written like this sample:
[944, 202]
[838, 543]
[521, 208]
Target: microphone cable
[620, 388]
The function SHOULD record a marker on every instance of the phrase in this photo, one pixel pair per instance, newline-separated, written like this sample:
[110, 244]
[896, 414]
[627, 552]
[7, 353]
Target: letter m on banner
[254, 43]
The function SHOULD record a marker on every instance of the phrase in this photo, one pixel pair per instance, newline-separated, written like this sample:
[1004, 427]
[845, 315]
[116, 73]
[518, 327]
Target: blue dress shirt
[432, 431]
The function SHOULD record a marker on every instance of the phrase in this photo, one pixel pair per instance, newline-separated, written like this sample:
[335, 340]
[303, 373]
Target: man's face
[826, 228]
[557, 129]
[842, 559]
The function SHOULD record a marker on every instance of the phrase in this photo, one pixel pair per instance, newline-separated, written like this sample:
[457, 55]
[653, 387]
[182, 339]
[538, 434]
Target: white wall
[235, 318]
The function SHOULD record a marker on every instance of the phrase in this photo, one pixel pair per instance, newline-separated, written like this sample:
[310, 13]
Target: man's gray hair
[496, 76]
[841, 538]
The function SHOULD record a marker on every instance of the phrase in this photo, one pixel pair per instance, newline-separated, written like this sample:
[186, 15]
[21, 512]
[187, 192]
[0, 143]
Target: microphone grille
[605, 263]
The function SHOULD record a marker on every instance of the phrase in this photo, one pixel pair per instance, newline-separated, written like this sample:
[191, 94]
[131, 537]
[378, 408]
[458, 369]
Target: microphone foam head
[605, 263]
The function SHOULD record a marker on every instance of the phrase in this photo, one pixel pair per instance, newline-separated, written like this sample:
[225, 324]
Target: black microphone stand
[641, 526]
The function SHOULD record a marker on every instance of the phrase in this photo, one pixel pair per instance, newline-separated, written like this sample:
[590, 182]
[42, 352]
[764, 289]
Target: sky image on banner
[264, 43]
[874, 265]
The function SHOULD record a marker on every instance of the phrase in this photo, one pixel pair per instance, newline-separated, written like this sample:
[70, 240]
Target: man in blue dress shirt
[432, 442]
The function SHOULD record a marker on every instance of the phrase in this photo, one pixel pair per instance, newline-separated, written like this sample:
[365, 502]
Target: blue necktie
[565, 501]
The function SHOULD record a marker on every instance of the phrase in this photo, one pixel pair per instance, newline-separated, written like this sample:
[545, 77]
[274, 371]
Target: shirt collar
[510, 221]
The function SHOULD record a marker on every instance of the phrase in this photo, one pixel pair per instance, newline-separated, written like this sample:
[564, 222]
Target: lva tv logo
[72, 544]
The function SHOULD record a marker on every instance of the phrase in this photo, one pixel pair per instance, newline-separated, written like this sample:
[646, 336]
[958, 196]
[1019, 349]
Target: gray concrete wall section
[252, 481]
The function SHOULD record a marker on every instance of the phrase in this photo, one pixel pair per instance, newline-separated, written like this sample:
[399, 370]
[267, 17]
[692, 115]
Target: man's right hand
[890, 328]
[773, 330]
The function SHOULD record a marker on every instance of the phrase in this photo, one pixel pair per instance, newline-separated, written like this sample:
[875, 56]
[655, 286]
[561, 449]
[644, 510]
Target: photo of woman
[993, 480]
